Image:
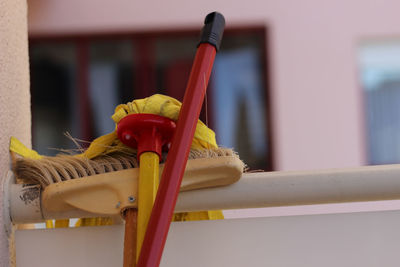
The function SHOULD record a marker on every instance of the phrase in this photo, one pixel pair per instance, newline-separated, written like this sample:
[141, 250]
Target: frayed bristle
[211, 153]
[50, 170]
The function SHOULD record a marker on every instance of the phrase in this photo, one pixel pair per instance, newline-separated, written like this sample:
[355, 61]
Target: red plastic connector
[146, 132]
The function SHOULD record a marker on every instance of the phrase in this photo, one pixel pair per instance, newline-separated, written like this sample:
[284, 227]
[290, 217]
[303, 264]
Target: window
[77, 81]
[380, 76]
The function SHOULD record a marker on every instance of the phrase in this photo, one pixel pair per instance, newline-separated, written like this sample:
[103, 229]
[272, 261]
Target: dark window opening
[77, 81]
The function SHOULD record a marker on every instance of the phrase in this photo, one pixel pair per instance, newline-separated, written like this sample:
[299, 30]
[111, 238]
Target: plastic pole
[148, 184]
[160, 219]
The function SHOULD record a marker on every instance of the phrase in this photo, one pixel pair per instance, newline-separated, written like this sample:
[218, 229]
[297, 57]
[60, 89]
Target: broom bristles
[50, 170]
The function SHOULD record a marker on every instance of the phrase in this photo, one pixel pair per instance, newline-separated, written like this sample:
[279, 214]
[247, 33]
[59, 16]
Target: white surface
[357, 239]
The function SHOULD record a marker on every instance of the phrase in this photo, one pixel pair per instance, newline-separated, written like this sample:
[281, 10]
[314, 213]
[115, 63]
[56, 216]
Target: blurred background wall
[313, 72]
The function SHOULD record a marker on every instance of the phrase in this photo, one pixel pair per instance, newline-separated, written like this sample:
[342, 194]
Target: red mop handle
[164, 205]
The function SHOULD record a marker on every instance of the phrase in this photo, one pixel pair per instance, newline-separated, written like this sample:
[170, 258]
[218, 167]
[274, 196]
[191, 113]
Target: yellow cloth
[204, 138]
[19, 148]
[94, 221]
[198, 216]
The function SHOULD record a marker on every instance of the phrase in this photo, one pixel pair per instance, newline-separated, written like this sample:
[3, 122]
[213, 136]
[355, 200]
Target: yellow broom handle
[148, 133]
[148, 185]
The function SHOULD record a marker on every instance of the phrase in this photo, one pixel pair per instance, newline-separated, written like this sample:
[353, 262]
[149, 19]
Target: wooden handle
[130, 238]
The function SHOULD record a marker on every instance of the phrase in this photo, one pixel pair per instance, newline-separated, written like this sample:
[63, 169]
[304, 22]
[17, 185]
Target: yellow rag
[204, 138]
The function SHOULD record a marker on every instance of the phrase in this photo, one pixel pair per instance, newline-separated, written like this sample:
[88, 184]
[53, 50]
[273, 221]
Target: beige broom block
[70, 191]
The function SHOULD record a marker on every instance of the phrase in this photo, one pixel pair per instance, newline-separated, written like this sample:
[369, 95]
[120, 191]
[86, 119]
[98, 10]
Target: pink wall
[316, 97]
[15, 114]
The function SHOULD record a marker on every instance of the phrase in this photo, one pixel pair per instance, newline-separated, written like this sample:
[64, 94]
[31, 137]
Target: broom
[107, 155]
[51, 170]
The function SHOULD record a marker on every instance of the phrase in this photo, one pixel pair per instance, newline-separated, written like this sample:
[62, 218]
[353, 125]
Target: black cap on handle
[213, 29]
